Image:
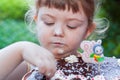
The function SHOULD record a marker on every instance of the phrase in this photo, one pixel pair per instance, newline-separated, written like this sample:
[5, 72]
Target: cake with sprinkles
[71, 69]
[91, 65]
[74, 68]
[109, 70]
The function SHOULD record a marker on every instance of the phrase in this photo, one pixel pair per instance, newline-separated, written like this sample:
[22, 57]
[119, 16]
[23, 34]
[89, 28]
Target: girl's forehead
[74, 5]
[43, 11]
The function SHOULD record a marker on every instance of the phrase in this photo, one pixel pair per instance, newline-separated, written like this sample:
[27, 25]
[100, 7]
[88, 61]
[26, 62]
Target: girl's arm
[19, 72]
[10, 58]
[13, 55]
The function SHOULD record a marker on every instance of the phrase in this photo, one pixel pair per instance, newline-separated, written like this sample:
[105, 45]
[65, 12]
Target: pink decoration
[87, 47]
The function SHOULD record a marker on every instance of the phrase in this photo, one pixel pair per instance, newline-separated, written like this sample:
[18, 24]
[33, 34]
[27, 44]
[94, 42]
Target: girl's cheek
[40, 28]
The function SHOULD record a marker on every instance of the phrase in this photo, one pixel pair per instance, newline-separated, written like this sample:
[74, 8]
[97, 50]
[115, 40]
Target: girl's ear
[35, 18]
[90, 29]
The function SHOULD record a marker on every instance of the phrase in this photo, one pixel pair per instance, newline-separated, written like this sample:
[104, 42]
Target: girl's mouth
[58, 44]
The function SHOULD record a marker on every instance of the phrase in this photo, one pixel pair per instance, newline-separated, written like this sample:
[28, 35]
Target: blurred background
[13, 27]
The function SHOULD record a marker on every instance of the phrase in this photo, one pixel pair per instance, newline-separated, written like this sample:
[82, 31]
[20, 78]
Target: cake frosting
[92, 65]
[79, 70]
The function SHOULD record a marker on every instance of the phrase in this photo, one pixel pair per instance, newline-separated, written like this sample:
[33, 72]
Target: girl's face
[61, 31]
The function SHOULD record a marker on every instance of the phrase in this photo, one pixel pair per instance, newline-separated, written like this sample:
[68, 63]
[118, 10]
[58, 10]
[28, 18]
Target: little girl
[61, 25]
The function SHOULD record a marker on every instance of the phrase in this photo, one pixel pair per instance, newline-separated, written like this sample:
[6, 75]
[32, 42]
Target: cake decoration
[71, 69]
[99, 77]
[71, 59]
[110, 70]
[59, 75]
[97, 52]
[117, 78]
[92, 51]
[118, 62]
[91, 65]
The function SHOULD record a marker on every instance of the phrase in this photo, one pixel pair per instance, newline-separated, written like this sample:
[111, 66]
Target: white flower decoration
[99, 77]
[116, 78]
[71, 59]
[118, 61]
[70, 77]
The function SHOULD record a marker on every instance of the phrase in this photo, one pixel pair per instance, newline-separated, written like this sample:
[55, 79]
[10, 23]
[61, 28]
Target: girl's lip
[58, 44]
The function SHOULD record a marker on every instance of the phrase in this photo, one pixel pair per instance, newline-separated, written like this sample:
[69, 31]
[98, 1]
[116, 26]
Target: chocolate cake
[76, 69]
[66, 70]
[83, 68]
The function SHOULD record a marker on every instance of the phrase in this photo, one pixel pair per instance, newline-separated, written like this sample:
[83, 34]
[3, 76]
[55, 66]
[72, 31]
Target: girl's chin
[58, 51]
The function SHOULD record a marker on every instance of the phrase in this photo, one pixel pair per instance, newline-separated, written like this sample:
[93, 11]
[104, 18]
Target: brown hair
[87, 5]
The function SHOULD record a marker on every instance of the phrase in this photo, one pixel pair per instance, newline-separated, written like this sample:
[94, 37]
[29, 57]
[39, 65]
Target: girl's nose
[58, 31]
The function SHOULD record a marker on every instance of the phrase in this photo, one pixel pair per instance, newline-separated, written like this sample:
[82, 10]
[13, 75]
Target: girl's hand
[40, 57]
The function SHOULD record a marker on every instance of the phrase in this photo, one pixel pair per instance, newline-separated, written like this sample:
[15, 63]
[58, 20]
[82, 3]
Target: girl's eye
[49, 23]
[71, 27]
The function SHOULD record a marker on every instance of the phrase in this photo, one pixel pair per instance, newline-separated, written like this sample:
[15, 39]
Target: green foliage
[12, 25]
[110, 9]
[14, 9]
[112, 41]
[14, 30]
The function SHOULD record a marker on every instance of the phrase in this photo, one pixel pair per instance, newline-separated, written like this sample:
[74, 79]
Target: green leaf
[92, 55]
[100, 59]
